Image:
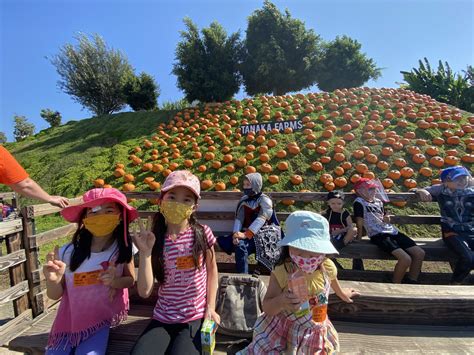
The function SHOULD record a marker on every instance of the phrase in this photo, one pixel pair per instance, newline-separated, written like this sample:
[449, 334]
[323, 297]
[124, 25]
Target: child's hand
[211, 314]
[347, 294]
[145, 238]
[108, 276]
[289, 301]
[237, 236]
[386, 218]
[54, 268]
[424, 195]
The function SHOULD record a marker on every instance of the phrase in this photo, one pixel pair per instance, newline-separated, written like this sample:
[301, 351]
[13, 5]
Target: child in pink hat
[369, 213]
[91, 274]
[178, 252]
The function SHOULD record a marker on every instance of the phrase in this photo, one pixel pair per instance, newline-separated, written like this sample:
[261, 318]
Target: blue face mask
[248, 192]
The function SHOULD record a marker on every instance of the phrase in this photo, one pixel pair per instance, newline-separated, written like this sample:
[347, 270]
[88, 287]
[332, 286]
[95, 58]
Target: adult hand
[424, 195]
[59, 201]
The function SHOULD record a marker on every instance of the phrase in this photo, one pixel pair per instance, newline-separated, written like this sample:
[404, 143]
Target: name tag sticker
[86, 278]
[185, 262]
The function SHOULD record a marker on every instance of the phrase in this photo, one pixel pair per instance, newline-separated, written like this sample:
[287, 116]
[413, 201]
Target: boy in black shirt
[341, 227]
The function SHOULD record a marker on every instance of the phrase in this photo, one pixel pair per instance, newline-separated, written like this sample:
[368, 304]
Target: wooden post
[32, 262]
[17, 273]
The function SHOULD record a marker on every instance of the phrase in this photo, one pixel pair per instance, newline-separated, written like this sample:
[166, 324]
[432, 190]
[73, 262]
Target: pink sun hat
[97, 197]
[182, 178]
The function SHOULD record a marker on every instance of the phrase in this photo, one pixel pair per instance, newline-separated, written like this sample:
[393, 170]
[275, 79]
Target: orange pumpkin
[209, 156]
[410, 183]
[128, 187]
[157, 168]
[266, 168]
[316, 166]
[418, 158]
[358, 154]
[273, 179]
[437, 161]
[264, 158]
[202, 168]
[426, 171]
[355, 178]
[119, 172]
[451, 160]
[407, 172]
[387, 183]
[339, 171]
[329, 186]
[241, 162]
[340, 181]
[220, 186]
[154, 185]
[371, 158]
[296, 179]
[324, 178]
[206, 184]
[234, 180]
[325, 159]
[129, 178]
[382, 165]
[400, 162]
[394, 174]
[281, 154]
[230, 168]
[468, 158]
[99, 183]
[282, 166]
[173, 166]
[361, 168]
[433, 151]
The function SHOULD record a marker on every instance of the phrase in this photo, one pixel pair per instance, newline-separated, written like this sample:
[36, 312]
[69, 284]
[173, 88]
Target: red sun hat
[364, 182]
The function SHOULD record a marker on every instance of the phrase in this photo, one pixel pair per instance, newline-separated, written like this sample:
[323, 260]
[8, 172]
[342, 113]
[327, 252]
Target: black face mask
[248, 192]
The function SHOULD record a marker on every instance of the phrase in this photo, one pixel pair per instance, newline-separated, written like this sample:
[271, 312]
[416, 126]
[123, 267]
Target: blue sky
[395, 33]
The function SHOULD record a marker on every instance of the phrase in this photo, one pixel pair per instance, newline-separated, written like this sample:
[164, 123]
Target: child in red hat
[370, 214]
[91, 274]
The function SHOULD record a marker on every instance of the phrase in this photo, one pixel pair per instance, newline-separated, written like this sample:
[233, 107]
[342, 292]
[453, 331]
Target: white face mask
[308, 265]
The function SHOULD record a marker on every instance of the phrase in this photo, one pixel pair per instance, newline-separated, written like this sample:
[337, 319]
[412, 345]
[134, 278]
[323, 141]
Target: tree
[3, 138]
[343, 65]
[141, 92]
[93, 74]
[443, 85]
[52, 117]
[23, 128]
[207, 66]
[280, 55]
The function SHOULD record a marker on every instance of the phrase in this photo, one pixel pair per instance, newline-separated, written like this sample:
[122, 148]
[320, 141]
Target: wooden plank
[15, 327]
[12, 259]
[10, 227]
[14, 292]
[426, 278]
[415, 219]
[406, 304]
[17, 273]
[40, 239]
[46, 208]
[277, 196]
[7, 195]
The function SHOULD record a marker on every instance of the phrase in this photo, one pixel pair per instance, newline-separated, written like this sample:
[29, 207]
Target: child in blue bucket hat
[455, 197]
[295, 306]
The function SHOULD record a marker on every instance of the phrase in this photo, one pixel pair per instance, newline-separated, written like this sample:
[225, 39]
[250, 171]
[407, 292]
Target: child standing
[370, 213]
[179, 253]
[91, 274]
[295, 306]
[455, 197]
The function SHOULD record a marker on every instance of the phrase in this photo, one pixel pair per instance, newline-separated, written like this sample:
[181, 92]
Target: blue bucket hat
[451, 173]
[308, 231]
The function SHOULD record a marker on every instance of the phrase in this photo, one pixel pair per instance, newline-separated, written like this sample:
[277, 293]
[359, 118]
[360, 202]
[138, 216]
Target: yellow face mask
[175, 212]
[101, 225]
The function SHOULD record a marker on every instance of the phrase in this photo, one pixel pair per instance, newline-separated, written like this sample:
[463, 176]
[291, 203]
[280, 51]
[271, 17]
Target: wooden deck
[355, 338]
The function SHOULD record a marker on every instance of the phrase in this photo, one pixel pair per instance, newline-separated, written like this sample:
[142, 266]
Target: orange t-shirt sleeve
[10, 171]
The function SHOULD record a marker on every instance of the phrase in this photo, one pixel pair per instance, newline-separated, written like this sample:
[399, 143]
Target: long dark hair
[200, 245]
[82, 241]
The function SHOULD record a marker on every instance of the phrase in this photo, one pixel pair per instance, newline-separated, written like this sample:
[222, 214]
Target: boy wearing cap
[455, 197]
[341, 227]
[370, 214]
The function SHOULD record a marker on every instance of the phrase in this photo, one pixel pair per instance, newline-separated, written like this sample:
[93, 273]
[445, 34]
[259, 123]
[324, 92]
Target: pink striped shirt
[182, 297]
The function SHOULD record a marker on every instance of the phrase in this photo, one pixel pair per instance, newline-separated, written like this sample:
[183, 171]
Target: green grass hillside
[403, 138]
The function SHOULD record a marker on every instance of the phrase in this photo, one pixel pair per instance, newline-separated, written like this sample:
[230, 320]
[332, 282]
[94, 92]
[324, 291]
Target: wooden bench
[389, 305]
[420, 308]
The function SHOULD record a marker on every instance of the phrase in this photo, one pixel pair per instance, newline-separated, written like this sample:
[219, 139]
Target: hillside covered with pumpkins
[403, 138]
[398, 136]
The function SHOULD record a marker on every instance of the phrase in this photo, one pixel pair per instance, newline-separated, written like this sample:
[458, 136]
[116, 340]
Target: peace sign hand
[144, 239]
[54, 268]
